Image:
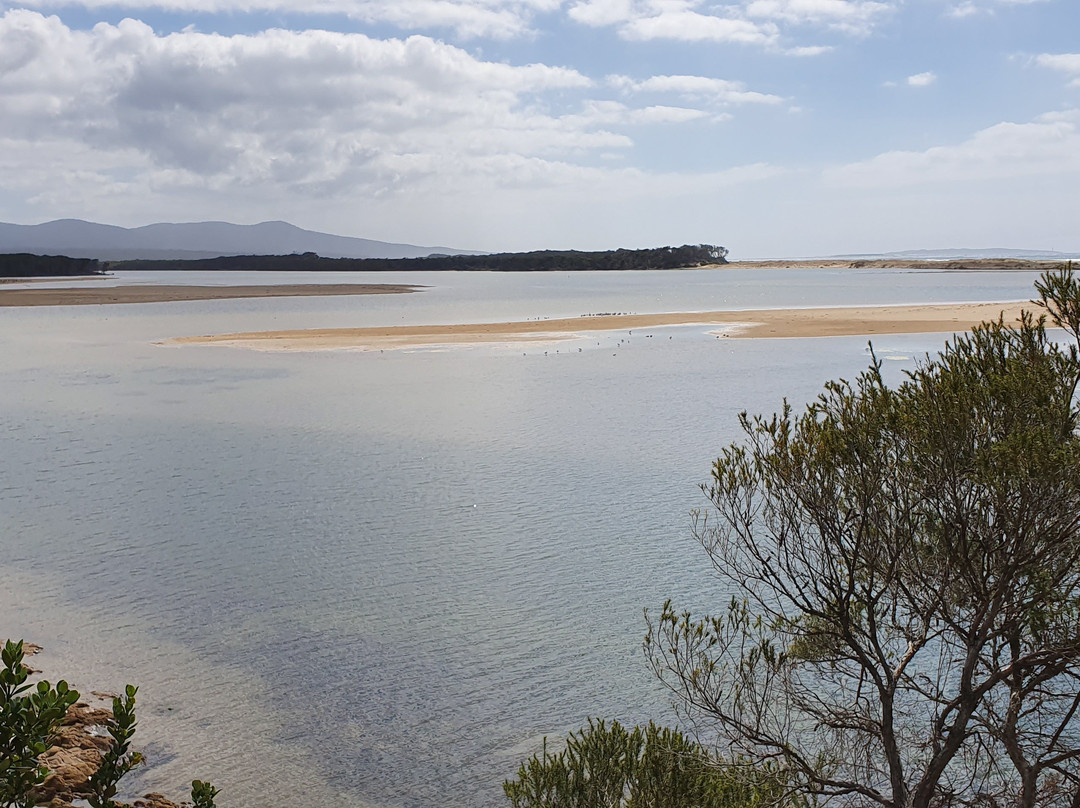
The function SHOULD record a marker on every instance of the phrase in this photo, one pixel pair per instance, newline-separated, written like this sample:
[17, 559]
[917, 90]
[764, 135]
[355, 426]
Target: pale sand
[823, 322]
[51, 279]
[152, 293]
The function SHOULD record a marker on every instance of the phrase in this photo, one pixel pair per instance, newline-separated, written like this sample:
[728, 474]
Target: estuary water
[380, 578]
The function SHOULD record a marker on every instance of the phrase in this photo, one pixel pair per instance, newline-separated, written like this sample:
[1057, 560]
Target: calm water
[350, 579]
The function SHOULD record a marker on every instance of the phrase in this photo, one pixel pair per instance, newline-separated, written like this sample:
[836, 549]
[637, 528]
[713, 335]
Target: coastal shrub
[202, 794]
[900, 567]
[29, 717]
[609, 766]
[28, 726]
[119, 758]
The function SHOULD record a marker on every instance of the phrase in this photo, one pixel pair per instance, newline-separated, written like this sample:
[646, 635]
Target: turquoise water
[347, 578]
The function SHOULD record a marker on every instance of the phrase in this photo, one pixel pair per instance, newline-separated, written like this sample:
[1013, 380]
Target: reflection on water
[353, 579]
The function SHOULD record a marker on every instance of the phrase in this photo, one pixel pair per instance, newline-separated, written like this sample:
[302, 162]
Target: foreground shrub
[28, 727]
[902, 568]
[653, 767]
[29, 717]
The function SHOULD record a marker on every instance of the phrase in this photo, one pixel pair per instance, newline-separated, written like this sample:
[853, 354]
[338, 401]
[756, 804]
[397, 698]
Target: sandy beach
[153, 293]
[817, 322]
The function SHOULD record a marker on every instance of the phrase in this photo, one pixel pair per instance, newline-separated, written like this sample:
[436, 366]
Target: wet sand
[152, 293]
[818, 322]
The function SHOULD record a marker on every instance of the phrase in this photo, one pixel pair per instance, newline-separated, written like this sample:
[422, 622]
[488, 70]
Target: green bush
[29, 717]
[28, 725]
[652, 767]
[118, 759]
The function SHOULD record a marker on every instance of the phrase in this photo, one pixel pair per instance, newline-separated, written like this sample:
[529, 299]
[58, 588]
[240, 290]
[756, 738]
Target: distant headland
[28, 265]
[687, 256]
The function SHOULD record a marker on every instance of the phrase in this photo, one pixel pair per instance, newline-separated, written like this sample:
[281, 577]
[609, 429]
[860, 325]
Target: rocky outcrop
[76, 754]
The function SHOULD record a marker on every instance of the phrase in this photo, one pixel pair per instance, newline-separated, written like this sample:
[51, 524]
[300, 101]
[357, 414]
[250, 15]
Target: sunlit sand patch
[732, 330]
[299, 341]
[777, 323]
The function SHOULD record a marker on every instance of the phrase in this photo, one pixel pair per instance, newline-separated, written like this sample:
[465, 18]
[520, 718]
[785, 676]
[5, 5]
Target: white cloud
[808, 50]
[973, 8]
[850, 16]
[613, 113]
[965, 9]
[749, 22]
[921, 79]
[721, 92]
[115, 121]
[1049, 145]
[599, 13]
[752, 22]
[691, 26]
[664, 114]
[467, 18]
[1068, 63]
[312, 110]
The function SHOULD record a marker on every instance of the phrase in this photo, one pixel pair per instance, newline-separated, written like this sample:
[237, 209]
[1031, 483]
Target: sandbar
[932, 264]
[160, 293]
[816, 322]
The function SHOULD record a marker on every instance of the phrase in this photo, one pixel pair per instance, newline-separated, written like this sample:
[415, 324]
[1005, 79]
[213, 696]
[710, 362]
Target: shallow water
[350, 578]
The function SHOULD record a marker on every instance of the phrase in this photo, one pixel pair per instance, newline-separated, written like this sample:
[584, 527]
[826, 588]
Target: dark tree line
[26, 265]
[689, 255]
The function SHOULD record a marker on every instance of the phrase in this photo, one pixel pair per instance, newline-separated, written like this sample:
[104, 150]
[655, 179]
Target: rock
[29, 650]
[154, 800]
[76, 754]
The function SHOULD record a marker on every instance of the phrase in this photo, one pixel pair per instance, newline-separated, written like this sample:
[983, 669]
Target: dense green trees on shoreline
[540, 261]
[25, 265]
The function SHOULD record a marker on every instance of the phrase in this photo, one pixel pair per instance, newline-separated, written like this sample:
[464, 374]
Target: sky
[776, 128]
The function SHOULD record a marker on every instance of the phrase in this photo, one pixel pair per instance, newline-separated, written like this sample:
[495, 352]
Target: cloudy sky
[773, 127]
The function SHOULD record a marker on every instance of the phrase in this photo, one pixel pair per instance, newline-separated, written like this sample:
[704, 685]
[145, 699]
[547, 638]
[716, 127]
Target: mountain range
[76, 238]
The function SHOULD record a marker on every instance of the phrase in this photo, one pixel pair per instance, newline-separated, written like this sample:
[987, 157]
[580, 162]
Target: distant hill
[78, 239]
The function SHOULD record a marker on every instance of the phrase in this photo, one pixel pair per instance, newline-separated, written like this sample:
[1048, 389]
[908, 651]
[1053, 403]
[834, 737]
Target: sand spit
[818, 322]
[51, 279]
[954, 264]
[152, 293]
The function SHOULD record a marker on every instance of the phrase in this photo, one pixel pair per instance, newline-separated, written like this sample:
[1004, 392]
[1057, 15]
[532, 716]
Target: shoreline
[79, 741]
[750, 324]
[155, 293]
[938, 264]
